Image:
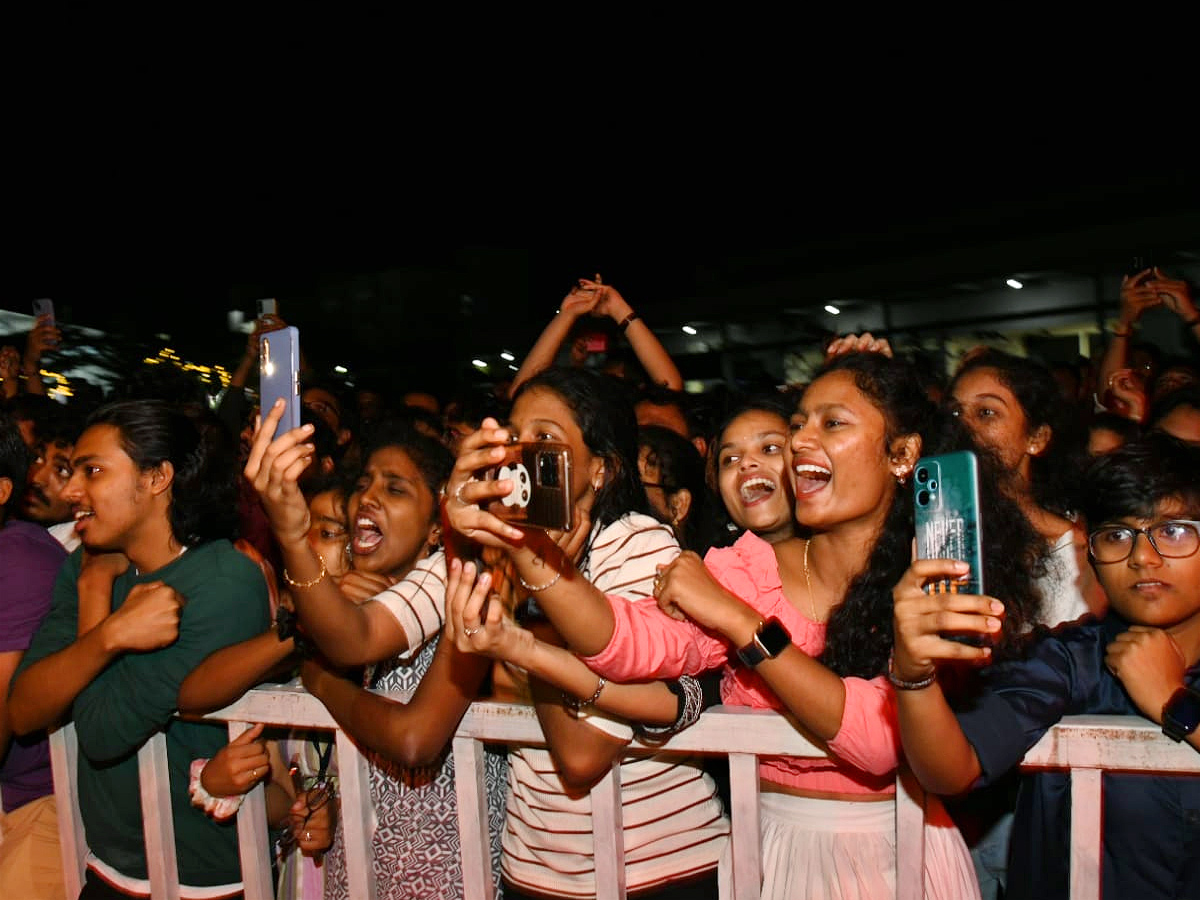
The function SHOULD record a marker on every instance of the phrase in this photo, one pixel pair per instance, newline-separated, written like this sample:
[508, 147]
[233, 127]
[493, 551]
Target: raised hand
[857, 343]
[466, 494]
[1138, 293]
[313, 818]
[1175, 294]
[921, 620]
[239, 765]
[274, 468]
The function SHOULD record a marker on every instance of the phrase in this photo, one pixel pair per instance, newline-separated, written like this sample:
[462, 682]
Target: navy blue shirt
[1151, 823]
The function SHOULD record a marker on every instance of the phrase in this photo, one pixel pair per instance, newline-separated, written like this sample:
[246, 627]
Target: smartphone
[279, 374]
[44, 307]
[947, 515]
[1139, 264]
[268, 307]
[596, 343]
[541, 497]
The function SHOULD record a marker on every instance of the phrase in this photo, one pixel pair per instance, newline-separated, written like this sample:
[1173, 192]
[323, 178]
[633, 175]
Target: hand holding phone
[541, 494]
[279, 375]
[948, 524]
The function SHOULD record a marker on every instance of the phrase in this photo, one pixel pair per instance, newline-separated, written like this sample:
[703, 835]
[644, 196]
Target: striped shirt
[418, 602]
[673, 822]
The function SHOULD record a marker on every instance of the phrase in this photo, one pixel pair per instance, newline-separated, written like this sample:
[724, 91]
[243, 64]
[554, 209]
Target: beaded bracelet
[900, 684]
[220, 808]
[307, 584]
[533, 589]
[574, 705]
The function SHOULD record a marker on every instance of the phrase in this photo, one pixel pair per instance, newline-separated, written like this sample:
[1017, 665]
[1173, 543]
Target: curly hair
[859, 633]
[1056, 473]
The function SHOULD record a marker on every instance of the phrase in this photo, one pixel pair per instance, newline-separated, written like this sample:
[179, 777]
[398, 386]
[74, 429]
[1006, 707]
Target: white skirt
[842, 850]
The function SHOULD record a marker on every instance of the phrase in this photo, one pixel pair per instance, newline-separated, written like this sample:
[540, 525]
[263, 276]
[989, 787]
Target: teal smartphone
[947, 516]
[279, 375]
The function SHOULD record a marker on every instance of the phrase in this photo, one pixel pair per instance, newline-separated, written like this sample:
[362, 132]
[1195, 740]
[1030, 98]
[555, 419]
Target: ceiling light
[688, 329]
[479, 364]
[514, 368]
[341, 370]
[1014, 284]
[506, 356]
[832, 310]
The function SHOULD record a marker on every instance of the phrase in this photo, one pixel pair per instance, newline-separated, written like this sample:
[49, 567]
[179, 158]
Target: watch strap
[1181, 714]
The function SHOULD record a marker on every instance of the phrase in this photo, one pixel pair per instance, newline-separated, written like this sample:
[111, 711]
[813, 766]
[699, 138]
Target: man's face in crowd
[48, 475]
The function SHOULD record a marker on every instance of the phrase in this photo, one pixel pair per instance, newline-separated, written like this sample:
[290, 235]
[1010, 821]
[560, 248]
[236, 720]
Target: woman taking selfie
[674, 828]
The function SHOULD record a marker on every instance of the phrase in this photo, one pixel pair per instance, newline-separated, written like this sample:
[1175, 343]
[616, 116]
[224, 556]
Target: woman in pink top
[810, 619]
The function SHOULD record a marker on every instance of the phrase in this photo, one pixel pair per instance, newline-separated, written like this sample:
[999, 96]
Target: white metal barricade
[1087, 745]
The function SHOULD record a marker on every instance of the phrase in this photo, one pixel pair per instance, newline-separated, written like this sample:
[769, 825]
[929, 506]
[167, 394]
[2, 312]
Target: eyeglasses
[1173, 539]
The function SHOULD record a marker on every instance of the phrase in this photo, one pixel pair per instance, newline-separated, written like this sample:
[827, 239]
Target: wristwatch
[1181, 714]
[768, 642]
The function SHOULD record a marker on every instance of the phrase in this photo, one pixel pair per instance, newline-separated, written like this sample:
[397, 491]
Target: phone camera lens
[933, 485]
[923, 498]
[922, 475]
[548, 470]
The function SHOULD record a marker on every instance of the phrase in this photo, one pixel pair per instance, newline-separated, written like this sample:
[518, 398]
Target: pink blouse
[648, 644]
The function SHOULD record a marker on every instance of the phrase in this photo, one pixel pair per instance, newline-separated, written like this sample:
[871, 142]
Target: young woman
[388, 607]
[1013, 408]
[749, 469]
[820, 606]
[674, 828]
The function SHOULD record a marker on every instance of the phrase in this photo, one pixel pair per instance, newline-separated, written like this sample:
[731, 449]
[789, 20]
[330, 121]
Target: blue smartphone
[279, 375]
[947, 515]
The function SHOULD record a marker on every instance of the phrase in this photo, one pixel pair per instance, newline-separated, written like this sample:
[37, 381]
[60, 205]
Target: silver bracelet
[533, 589]
[902, 685]
[691, 704]
[574, 705]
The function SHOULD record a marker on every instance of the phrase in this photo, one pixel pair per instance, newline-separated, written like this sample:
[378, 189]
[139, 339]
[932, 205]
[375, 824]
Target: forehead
[100, 440]
[753, 423]
[329, 505]
[838, 389]
[982, 381]
[542, 404]
[395, 461]
[322, 397]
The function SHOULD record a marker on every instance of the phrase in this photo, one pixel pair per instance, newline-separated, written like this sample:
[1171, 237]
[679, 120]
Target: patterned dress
[416, 848]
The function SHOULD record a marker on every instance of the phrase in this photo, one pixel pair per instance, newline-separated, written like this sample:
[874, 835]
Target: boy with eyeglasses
[1142, 658]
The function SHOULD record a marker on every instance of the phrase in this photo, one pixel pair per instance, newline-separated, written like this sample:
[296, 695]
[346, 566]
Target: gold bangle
[307, 584]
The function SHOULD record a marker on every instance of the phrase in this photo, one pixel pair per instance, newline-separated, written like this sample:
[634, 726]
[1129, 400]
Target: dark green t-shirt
[226, 602]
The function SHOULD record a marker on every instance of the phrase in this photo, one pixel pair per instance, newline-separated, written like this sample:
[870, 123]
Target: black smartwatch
[1181, 714]
[768, 642]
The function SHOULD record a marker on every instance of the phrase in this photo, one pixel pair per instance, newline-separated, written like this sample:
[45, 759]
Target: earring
[901, 477]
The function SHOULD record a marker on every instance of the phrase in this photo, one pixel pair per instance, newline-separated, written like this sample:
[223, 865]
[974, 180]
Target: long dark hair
[859, 635]
[604, 413]
[1055, 473]
[204, 490]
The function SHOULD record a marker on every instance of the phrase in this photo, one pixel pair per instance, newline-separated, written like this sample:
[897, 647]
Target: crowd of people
[164, 555]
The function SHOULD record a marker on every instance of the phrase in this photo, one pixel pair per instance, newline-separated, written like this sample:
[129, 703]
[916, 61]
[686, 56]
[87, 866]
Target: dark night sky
[172, 251]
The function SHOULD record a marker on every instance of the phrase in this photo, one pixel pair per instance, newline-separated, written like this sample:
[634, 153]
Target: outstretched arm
[347, 632]
[231, 671]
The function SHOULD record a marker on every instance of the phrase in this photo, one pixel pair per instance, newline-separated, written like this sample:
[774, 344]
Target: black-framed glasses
[1172, 539]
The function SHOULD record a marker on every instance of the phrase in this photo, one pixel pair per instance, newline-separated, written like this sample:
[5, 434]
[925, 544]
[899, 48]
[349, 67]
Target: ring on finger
[472, 631]
[458, 493]
[308, 835]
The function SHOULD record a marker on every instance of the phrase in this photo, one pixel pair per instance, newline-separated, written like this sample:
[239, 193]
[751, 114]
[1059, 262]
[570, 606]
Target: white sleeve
[418, 602]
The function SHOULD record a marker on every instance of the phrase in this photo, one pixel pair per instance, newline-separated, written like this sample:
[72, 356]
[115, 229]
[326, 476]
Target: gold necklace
[808, 582]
